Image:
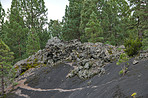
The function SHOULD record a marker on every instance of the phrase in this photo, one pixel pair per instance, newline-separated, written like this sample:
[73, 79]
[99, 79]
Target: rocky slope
[80, 70]
[51, 82]
[88, 59]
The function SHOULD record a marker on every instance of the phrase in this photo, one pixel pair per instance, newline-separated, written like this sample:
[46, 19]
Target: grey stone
[87, 65]
[135, 62]
[87, 56]
[122, 47]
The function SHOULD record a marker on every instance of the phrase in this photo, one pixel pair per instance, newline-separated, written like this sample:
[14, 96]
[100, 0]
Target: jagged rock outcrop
[88, 58]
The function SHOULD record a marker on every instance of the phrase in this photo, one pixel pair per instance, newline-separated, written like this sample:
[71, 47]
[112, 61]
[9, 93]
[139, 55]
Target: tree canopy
[106, 21]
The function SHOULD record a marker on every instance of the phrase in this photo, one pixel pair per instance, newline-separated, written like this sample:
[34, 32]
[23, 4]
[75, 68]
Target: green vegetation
[33, 43]
[7, 72]
[14, 31]
[101, 21]
[35, 14]
[34, 64]
[93, 30]
[123, 58]
[132, 46]
[145, 40]
[107, 21]
[139, 21]
[55, 28]
[123, 71]
[2, 15]
[22, 18]
[71, 20]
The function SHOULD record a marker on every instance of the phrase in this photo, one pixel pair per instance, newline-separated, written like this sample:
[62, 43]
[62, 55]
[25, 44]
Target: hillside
[91, 73]
[96, 49]
[52, 83]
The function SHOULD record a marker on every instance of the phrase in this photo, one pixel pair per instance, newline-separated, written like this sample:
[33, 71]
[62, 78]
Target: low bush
[132, 46]
[123, 58]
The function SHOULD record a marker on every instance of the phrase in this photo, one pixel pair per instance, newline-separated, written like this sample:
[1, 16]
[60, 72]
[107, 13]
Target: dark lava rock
[80, 70]
[54, 84]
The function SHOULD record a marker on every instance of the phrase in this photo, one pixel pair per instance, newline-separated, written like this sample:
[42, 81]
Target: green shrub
[123, 58]
[145, 40]
[123, 71]
[108, 42]
[132, 46]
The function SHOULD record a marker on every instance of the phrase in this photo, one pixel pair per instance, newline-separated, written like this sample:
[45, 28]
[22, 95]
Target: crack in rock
[19, 93]
[25, 86]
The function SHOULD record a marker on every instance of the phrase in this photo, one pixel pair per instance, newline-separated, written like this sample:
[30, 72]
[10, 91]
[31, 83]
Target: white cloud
[6, 4]
[56, 8]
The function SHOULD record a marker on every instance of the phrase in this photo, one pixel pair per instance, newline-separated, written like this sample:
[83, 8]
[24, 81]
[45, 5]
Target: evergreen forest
[26, 28]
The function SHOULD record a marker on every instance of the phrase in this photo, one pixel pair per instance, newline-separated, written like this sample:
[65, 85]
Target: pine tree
[139, 19]
[43, 37]
[113, 15]
[122, 31]
[87, 8]
[93, 30]
[33, 43]
[2, 15]
[145, 40]
[35, 14]
[14, 30]
[65, 24]
[71, 20]
[55, 28]
[7, 70]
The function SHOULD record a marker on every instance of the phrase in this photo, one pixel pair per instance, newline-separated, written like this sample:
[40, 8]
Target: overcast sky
[56, 8]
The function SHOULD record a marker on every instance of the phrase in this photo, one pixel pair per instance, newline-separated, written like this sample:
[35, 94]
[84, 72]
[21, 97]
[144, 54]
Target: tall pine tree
[87, 8]
[55, 28]
[113, 15]
[35, 14]
[14, 30]
[139, 20]
[93, 30]
[71, 20]
[6, 69]
[2, 15]
[33, 43]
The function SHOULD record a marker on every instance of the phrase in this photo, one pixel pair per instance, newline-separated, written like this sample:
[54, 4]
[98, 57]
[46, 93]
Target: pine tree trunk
[140, 35]
[2, 81]
[19, 49]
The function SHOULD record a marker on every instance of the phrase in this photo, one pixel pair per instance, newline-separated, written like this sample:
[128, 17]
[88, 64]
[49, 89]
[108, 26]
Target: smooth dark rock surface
[53, 82]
